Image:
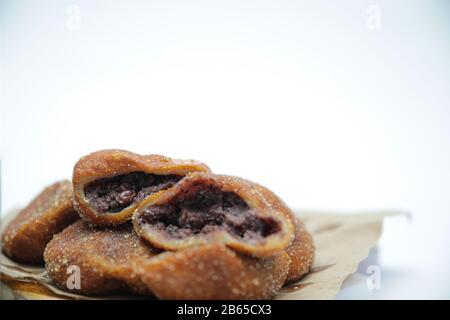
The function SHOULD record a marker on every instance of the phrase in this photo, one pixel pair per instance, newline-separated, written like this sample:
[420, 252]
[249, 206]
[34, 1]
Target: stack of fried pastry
[152, 225]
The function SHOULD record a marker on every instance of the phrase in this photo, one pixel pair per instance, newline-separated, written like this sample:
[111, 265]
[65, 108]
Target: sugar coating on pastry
[25, 237]
[109, 184]
[206, 208]
[213, 271]
[104, 256]
[301, 252]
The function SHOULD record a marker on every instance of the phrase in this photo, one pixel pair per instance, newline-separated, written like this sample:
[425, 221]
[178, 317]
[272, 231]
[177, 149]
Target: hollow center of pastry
[116, 193]
[208, 210]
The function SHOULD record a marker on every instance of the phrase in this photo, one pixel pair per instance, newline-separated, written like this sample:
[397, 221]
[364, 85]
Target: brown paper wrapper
[342, 241]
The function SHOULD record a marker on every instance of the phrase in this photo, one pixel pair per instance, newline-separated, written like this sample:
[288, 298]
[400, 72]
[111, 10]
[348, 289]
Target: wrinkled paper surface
[342, 241]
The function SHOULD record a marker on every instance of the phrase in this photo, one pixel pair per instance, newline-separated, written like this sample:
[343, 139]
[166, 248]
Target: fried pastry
[213, 271]
[26, 236]
[205, 208]
[301, 253]
[116, 260]
[109, 184]
[113, 260]
[105, 258]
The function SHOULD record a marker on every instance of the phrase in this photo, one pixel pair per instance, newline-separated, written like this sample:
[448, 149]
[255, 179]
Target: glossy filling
[208, 210]
[117, 193]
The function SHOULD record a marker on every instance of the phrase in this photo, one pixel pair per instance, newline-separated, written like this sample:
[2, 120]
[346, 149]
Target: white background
[310, 98]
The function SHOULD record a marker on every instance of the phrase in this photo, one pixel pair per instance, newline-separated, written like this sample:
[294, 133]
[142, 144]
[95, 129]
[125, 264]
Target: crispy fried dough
[109, 184]
[26, 236]
[105, 258]
[213, 271]
[301, 252]
[205, 208]
[115, 260]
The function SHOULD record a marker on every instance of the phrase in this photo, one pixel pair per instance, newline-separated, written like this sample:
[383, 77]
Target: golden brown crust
[110, 163]
[213, 272]
[301, 253]
[105, 258]
[116, 260]
[267, 204]
[25, 238]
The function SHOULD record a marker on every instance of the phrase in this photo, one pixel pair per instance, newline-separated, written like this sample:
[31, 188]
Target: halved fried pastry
[205, 208]
[109, 184]
[113, 260]
[105, 259]
[25, 237]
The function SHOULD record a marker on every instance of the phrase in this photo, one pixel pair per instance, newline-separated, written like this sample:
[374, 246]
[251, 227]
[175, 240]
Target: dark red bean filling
[116, 193]
[208, 210]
